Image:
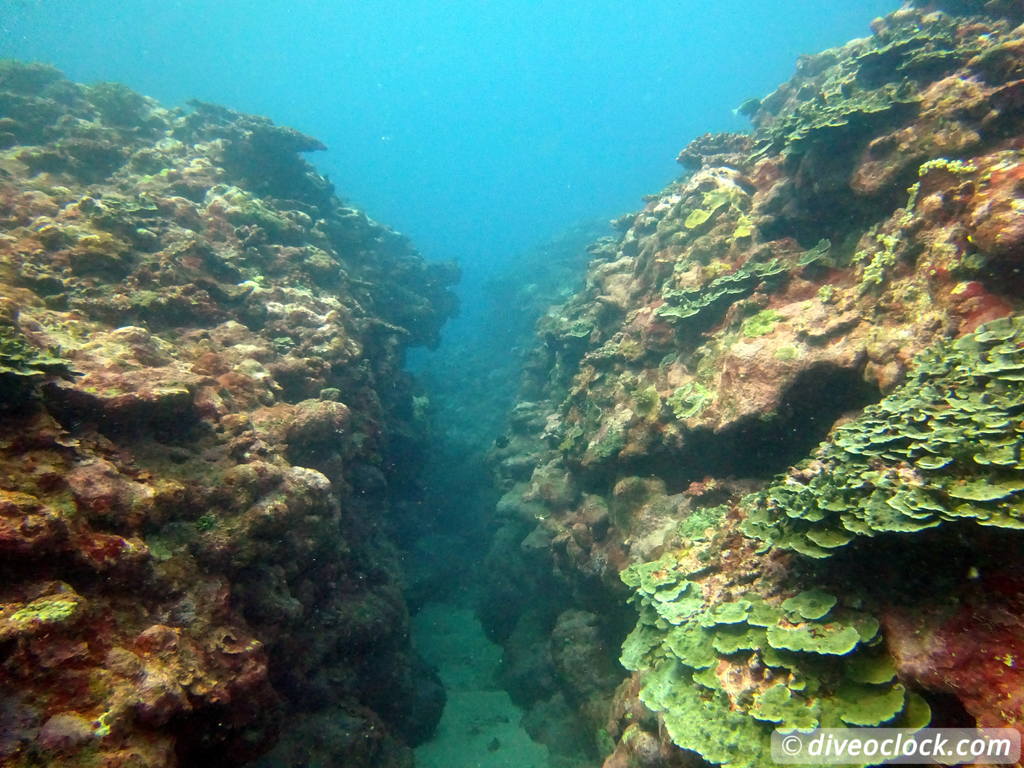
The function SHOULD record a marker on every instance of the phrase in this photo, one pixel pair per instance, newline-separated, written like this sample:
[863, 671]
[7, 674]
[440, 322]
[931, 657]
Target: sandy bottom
[480, 727]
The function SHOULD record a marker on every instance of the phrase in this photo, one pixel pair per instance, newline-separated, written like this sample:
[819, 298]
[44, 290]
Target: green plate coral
[683, 303]
[23, 365]
[945, 446]
[723, 675]
[879, 79]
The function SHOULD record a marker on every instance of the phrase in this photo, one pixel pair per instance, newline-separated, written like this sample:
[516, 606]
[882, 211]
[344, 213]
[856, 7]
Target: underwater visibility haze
[489, 384]
[478, 128]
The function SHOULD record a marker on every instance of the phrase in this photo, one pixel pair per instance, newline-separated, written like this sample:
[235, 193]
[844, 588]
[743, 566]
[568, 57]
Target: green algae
[726, 195]
[744, 227]
[699, 520]
[878, 263]
[760, 324]
[608, 444]
[206, 522]
[696, 218]
[820, 253]
[648, 402]
[689, 400]
[955, 167]
[46, 611]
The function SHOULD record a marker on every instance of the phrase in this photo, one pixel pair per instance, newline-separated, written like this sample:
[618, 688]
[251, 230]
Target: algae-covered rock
[24, 365]
[203, 423]
[794, 381]
[51, 613]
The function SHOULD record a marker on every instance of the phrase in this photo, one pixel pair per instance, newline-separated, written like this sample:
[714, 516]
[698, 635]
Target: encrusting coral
[203, 415]
[783, 416]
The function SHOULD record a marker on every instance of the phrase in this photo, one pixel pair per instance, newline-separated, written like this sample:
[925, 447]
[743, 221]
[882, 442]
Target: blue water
[482, 129]
[477, 127]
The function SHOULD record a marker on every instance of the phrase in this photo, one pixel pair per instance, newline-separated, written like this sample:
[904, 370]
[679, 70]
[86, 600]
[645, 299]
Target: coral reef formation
[783, 420]
[204, 426]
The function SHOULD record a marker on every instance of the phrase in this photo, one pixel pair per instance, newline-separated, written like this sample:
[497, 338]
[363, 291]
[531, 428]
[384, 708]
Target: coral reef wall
[203, 427]
[783, 420]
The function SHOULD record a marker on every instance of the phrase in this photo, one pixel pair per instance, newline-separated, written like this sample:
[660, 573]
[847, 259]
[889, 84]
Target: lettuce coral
[724, 673]
[945, 446]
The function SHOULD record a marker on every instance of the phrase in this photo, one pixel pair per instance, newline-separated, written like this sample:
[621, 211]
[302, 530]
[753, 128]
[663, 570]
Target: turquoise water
[482, 130]
[480, 727]
[477, 127]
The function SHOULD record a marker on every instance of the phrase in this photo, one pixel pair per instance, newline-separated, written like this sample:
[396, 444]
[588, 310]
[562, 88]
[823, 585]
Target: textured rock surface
[202, 425]
[787, 281]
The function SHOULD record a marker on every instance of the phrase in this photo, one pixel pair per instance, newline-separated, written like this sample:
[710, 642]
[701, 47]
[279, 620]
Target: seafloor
[761, 469]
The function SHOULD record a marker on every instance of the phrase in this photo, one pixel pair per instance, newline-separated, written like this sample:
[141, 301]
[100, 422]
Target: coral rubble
[203, 425]
[846, 276]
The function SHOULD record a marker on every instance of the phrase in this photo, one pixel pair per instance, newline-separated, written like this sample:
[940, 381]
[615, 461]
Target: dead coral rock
[355, 736]
[315, 422]
[209, 289]
[580, 654]
[971, 651]
[159, 697]
[716, 149]
[27, 526]
[126, 560]
[227, 669]
[101, 491]
[553, 486]
[948, 125]
[65, 732]
[996, 210]
[129, 400]
[756, 374]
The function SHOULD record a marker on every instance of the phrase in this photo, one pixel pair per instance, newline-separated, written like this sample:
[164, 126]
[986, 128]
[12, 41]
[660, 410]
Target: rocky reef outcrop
[783, 421]
[204, 427]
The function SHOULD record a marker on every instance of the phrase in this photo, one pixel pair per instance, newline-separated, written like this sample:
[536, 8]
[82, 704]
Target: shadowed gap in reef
[760, 447]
